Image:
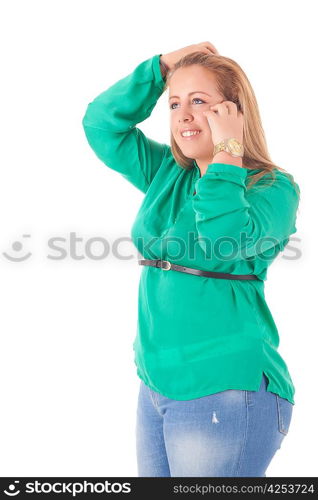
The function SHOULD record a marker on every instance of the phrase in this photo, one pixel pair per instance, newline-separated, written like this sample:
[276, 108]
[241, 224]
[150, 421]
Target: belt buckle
[168, 265]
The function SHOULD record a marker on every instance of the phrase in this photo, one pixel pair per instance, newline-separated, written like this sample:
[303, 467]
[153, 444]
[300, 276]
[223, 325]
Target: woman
[216, 397]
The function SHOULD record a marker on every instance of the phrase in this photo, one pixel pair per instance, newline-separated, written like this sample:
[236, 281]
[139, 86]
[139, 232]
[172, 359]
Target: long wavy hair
[233, 85]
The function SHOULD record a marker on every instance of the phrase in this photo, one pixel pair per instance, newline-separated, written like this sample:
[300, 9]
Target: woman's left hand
[225, 121]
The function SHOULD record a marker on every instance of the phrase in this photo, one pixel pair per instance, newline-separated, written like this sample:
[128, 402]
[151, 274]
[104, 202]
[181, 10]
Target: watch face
[235, 145]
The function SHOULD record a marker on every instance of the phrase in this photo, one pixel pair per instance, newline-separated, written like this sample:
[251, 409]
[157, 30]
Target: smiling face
[192, 90]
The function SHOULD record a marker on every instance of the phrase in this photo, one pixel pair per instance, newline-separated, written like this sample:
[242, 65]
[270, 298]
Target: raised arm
[110, 124]
[253, 221]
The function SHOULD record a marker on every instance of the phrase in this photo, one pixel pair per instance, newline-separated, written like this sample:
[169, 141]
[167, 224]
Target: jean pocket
[284, 412]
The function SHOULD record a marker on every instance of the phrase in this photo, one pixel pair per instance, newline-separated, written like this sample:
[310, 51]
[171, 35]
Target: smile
[190, 134]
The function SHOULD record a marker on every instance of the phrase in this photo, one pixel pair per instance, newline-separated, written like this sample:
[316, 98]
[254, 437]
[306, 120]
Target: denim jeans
[231, 433]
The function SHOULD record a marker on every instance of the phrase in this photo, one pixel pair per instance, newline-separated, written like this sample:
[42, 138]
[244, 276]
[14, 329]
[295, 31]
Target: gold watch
[232, 146]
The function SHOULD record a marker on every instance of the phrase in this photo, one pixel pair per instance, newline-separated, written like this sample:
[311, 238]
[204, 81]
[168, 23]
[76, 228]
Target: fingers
[225, 107]
[210, 47]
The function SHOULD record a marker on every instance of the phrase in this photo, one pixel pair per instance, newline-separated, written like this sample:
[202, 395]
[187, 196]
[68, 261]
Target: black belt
[166, 266]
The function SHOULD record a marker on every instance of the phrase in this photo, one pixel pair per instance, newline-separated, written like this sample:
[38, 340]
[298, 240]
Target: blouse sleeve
[110, 124]
[251, 221]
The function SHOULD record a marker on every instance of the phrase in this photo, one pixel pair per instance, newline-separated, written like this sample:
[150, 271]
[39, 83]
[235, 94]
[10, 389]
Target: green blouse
[196, 335]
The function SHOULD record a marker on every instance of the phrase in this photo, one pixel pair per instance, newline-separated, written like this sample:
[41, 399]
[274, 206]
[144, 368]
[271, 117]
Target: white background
[68, 381]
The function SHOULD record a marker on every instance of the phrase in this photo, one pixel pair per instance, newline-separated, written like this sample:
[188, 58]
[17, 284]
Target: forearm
[128, 101]
[251, 221]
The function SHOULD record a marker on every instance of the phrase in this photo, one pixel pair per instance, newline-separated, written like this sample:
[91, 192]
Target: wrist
[224, 157]
[164, 68]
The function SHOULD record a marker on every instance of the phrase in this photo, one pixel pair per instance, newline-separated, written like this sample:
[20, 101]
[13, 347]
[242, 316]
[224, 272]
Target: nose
[184, 114]
[185, 117]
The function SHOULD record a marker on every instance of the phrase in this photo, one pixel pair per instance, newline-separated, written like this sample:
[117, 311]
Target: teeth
[187, 133]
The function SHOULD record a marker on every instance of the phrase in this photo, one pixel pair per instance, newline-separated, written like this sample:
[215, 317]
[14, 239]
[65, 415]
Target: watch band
[219, 147]
[230, 146]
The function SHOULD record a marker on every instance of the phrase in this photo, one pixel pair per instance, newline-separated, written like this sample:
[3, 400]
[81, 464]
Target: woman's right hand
[171, 58]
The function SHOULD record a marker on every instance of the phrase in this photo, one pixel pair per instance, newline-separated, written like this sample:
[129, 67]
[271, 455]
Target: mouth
[192, 136]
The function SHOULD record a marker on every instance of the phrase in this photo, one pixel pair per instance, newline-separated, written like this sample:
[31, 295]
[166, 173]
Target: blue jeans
[231, 433]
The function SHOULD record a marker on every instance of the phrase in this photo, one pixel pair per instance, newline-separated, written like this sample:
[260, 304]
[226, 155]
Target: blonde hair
[233, 85]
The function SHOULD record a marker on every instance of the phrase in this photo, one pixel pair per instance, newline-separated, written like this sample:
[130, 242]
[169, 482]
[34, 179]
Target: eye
[194, 99]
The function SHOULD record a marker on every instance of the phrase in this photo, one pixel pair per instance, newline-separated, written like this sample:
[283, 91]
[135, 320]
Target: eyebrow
[190, 93]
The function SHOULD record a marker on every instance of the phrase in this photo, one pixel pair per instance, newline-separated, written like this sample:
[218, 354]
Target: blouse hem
[251, 387]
